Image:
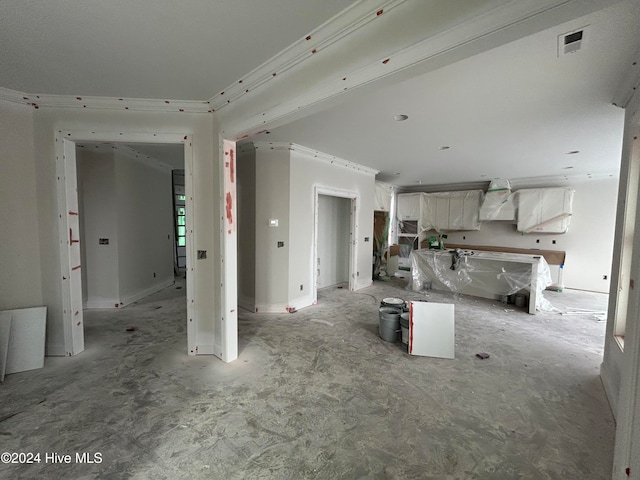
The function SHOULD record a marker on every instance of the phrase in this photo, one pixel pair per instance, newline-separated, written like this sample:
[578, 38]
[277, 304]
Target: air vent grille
[572, 42]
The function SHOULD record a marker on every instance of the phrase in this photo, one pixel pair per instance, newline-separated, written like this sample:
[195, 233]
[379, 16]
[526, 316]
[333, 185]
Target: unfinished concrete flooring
[317, 394]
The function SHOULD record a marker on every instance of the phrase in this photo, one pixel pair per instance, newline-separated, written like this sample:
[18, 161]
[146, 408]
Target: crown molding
[494, 27]
[105, 103]
[353, 18]
[14, 96]
[311, 153]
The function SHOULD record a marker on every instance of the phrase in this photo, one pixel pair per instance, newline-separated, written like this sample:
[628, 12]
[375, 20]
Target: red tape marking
[232, 168]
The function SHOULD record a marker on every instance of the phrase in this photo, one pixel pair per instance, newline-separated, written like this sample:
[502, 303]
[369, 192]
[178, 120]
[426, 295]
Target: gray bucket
[389, 323]
[404, 327]
[520, 300]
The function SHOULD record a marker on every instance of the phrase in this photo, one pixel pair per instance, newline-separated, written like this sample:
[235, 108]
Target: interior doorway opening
[334, 239]
[71, 253]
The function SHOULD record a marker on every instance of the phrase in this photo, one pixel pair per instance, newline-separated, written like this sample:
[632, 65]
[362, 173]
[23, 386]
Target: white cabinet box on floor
[431, 329]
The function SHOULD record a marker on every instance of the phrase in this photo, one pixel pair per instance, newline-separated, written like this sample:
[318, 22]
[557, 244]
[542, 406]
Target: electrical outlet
[553, 241]
[202, 254]
[280, 244]
[537, 240]
[366, 239]
[604, 277]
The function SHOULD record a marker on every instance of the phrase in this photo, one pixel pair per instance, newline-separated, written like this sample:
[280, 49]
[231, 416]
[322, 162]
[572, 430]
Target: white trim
[311, 153]
[102, 304]
[106, 103]
[271, 308]
[332, 32]
[14, 96]
[353, 241]
[227, 345]
[66, 169]
[494, 27]
[247, 303]
[54, 350]
[129, 299]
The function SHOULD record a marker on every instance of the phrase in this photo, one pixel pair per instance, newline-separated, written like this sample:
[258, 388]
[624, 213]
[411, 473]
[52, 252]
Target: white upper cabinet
[409, 206]
[444, 211]
[544, 209]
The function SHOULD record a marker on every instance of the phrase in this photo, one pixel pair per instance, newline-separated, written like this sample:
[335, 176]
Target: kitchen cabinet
[544, 210]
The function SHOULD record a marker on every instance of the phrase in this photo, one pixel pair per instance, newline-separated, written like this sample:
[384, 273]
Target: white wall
[98, 215]
[272, 202]
[20, 272]
[334, 224]
[246, 201]
[145, 228]
[588, 243]
[206, 190]
[307, 173]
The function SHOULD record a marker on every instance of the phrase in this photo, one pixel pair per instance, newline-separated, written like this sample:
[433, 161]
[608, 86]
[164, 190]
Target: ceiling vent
[572, 42]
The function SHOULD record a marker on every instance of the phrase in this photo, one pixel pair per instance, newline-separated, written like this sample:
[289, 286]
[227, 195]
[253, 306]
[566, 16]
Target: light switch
[273, 222]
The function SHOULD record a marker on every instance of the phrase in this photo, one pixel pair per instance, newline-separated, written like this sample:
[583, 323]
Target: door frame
[69, 232]
[353, 234]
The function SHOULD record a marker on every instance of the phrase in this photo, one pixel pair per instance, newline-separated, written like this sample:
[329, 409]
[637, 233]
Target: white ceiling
[164, 49]
[511, 112]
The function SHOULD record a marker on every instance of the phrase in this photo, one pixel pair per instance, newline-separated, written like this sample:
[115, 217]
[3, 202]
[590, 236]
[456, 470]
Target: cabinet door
[441, 207]
[539, 205]
[456, 213]
[408, 206]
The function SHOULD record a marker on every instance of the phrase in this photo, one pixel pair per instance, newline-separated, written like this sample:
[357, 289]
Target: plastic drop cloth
[481, 273]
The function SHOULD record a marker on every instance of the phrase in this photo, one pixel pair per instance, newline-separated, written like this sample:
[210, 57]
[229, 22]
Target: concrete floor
[317, 394]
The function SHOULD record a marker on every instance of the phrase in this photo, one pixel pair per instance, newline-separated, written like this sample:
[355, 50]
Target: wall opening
[71, 255]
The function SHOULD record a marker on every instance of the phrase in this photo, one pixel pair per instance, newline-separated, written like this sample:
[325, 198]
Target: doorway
[334, 229]
[334, 235]
[69, 224]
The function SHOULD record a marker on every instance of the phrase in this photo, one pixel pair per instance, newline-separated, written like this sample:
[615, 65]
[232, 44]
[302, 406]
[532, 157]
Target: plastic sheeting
[487, 274]
[383, 194]
[442, 211]
[544, 209]
[499, 202]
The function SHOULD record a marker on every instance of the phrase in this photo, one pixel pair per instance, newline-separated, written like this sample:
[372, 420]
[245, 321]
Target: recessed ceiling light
[573, 152]
[444, 147]
[400, 118]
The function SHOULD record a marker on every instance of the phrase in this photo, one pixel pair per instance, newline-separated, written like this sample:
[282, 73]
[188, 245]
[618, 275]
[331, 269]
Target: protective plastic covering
[499, 202]
[408, 206]
[448, 211]
[443, 211]
[544, 209]
[383, 194]
[486, 274]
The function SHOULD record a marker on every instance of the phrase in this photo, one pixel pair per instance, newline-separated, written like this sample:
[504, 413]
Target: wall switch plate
[273, 222]
[103, 241]
[366, 239]
[202, 254]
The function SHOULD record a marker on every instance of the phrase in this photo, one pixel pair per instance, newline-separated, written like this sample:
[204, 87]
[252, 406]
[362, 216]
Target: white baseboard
[91, 304]
[610, 391]
[129, 299]
[363, 284]
[54, 350]
[271, 309]
[247, 303]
